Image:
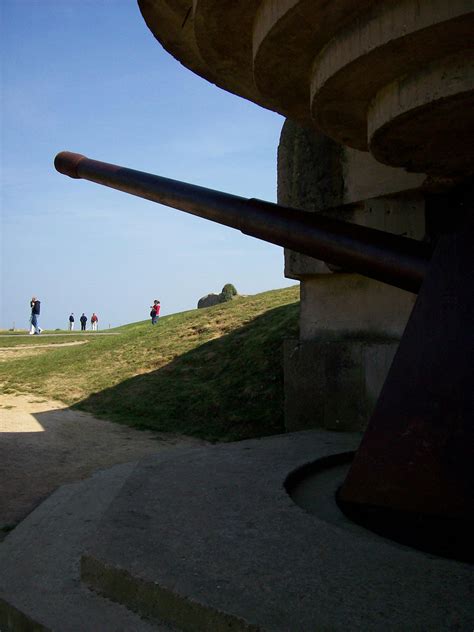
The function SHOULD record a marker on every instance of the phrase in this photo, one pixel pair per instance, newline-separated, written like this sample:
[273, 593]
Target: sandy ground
[44, 444]
[7, 353]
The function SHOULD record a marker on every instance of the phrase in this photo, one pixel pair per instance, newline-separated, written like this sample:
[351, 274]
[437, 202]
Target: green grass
[215, 373]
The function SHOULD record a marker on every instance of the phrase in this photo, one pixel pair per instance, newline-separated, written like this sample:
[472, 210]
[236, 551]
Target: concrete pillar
[349, 325]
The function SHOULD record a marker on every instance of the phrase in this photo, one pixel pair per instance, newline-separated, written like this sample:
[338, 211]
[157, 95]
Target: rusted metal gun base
[438, 535]
[416, 456]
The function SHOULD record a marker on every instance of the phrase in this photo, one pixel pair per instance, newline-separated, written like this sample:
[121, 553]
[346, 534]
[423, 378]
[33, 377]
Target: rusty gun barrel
[379, 255]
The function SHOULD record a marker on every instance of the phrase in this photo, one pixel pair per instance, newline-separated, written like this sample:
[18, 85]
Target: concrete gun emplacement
[413, 472]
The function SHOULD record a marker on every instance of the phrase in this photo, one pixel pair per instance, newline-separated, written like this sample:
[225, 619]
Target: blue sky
[88, 76]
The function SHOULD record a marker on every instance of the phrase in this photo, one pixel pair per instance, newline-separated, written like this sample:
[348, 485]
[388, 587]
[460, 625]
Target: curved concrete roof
[383, 76]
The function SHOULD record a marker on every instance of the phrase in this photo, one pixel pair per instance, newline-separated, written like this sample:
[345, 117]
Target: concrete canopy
[379, 76]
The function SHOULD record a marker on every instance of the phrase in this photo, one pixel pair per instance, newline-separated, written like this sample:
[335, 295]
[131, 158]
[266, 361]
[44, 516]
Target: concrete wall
[339, 304]
[349, 325]
[334, 384]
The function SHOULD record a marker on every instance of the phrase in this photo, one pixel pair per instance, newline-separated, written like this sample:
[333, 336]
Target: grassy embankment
[215, 373]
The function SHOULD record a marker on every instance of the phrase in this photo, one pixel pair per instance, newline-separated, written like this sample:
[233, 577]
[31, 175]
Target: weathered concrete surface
[40, 588]
[309, 178]
[286, 34]
[317, 175]
[365, 179]
[349, 303]
[324, 65]
[390, 40]
[334, 384]
[176, 26]
[423, 120]
[212, 541]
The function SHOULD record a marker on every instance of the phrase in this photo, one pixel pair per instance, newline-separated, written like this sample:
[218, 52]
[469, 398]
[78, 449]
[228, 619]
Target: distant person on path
[83, 320]
[94, 321]
[32, 327]
[155, 312]
[35, 312]
[71, 322]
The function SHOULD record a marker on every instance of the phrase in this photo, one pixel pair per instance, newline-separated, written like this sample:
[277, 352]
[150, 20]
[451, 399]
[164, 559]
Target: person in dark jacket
[83, 320]
[71, 322]
[35, 305]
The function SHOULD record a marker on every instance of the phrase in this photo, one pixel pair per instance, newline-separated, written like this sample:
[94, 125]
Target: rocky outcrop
[227, 294]
[209, 300]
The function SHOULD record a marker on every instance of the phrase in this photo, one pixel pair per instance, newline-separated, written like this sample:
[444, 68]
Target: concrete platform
[208, 539]
[212, 541]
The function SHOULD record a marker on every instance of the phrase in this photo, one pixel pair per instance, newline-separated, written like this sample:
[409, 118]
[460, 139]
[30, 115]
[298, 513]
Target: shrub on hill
[228, 292]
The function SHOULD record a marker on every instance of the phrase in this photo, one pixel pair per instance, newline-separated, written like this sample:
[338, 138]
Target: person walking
[83, 320]
[94, 321]
[32, 327]
[35, 305]
[71, 322]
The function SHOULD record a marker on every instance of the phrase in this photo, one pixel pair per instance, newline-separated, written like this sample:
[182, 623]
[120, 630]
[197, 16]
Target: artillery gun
[414, 469]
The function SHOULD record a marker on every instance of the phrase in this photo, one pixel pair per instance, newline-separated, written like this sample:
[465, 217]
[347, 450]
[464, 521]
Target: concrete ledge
[158, 601]
[13, 619]
[40, 589]
[212, 541]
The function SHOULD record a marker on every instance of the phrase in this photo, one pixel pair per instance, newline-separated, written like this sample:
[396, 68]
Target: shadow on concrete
[42, 448]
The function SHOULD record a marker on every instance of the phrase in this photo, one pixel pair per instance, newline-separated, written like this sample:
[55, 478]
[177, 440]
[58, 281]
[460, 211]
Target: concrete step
[40, 587]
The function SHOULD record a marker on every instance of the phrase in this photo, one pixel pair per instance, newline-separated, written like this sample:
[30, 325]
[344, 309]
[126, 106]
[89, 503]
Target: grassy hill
[215, 373]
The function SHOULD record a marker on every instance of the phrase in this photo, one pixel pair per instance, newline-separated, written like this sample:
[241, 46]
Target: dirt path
[44, 444]
[7, 353]
[47, 346]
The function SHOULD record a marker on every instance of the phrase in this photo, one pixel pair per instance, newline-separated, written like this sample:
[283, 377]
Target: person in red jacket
[155, 312]
[94, 321]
